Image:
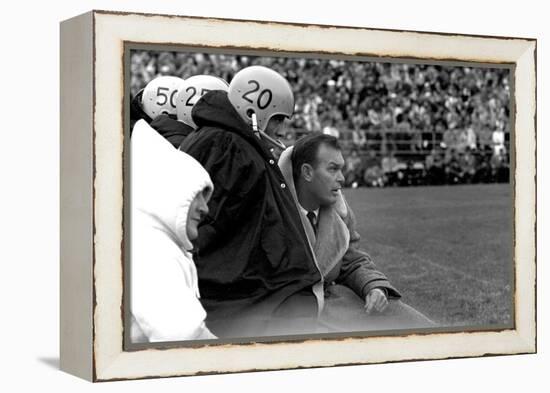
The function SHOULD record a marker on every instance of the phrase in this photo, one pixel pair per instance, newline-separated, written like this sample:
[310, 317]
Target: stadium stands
[408, 124]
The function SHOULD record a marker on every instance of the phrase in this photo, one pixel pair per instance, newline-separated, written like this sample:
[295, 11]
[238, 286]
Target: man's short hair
[306, 148]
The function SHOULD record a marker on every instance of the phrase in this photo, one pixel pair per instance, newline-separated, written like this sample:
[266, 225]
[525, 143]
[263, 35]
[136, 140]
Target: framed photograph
[304, 196]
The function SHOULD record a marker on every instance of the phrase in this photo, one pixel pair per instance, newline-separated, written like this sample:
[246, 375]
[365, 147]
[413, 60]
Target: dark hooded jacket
[136, 110]
[255, 269]
[172, 130]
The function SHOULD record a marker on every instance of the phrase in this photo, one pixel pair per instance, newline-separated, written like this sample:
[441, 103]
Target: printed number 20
[264, 98]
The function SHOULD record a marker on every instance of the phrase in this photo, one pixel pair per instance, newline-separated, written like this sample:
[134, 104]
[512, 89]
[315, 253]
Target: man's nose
[204, 208]
[340, 177]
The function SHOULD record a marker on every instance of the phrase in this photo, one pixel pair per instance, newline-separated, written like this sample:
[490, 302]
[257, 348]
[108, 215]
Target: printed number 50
[161, 94]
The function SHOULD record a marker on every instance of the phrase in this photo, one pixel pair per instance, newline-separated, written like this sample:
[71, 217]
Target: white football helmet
[261, 91]
[192, 89]
[159, 96]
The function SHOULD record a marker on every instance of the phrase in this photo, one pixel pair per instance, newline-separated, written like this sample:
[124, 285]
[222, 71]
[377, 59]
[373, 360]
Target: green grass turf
[448, 249]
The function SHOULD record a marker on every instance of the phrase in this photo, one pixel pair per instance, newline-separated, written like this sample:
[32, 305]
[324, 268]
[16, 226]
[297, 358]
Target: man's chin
[192, 234]
[331, 200]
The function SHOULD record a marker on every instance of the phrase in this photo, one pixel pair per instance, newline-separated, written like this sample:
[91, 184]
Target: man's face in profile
[197, 210]
[276, 126]
[327, 177]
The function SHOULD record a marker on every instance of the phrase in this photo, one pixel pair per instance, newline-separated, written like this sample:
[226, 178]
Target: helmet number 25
[161, 92]
[264, 98]
[193, 91]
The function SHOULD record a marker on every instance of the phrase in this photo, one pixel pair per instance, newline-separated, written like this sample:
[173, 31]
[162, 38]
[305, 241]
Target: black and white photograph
[281, 196]
[149, 245]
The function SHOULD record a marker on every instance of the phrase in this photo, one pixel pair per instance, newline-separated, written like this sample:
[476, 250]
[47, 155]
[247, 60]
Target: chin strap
[255, 125]
[272, 141]
[275, 145]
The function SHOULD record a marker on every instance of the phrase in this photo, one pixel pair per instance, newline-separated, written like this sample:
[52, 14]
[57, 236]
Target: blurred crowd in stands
[399, 124]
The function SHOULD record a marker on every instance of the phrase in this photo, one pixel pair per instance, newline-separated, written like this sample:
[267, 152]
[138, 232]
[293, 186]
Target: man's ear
[307, 172]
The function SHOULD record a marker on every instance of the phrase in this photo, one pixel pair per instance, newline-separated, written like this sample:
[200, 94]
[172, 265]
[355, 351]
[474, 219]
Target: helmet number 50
[264, 98]
[161, 93]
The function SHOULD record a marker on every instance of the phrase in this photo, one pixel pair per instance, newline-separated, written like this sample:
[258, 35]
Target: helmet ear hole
[250, 112]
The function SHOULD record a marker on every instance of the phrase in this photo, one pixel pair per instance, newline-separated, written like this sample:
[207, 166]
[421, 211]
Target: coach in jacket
[357, 295]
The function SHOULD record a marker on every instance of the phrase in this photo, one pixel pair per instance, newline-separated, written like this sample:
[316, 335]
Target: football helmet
[159, 96]
[261, 91]
[192, 89]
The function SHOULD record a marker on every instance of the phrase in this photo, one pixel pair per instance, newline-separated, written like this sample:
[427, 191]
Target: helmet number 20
[264, 98]
[161, 93]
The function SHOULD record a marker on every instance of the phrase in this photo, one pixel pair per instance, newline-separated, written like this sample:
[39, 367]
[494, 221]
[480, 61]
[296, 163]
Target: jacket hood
[214, 109]
[164, 182]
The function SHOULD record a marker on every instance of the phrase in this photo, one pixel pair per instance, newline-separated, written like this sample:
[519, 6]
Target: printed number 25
[193, 91]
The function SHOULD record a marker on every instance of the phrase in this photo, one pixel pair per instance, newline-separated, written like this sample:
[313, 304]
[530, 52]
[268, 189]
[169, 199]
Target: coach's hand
[375, 300]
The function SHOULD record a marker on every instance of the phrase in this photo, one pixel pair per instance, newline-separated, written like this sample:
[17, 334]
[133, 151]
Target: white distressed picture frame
[92, 195]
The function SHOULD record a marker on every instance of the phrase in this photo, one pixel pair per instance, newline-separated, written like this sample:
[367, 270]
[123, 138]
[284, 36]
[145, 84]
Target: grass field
[448, 249]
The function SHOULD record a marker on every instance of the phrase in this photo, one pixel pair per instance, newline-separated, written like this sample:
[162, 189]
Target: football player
[256, 274]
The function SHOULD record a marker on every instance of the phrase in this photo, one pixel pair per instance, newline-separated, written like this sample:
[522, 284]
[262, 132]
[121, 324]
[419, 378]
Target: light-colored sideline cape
[164, 294]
